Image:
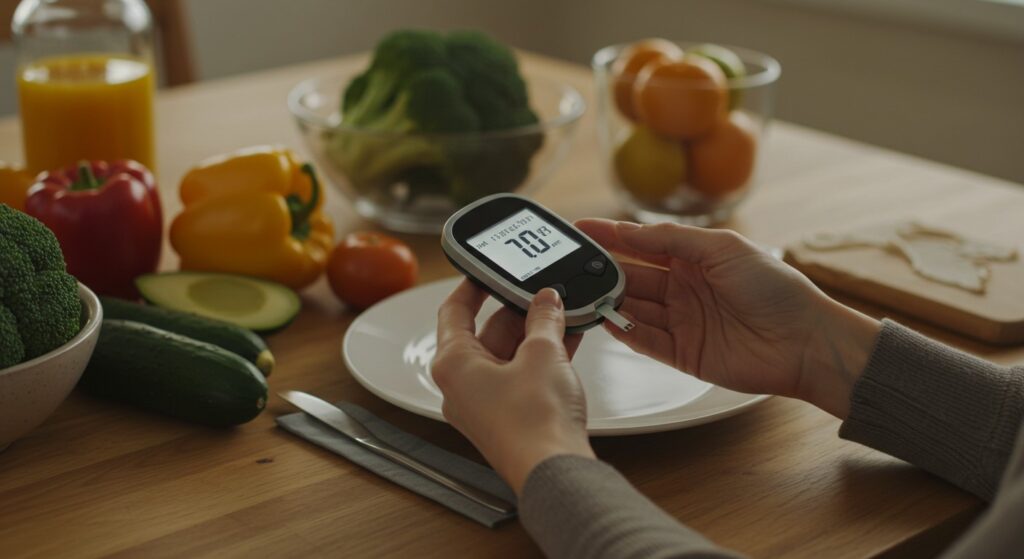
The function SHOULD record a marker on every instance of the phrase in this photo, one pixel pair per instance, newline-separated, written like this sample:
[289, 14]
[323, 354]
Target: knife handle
[486, 499]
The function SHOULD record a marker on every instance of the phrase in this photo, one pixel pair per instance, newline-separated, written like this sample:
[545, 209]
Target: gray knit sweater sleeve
[933, 406]
[943, 410]
[577, 507]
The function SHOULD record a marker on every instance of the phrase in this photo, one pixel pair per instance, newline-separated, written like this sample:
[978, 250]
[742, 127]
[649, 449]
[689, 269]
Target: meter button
[596, 266]
[560, 289]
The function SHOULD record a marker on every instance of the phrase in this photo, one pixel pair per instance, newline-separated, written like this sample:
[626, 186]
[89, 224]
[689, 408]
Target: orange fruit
[723, 160]
[730, 63]
[628, 65]
[681, 99]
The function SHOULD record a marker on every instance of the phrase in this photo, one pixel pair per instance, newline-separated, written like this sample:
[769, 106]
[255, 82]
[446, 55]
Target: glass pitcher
[86, 81]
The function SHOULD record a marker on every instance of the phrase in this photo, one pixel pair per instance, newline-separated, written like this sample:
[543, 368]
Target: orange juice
[86, 106]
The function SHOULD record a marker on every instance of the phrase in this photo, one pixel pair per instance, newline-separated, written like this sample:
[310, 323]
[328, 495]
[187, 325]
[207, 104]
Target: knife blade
[337, 419]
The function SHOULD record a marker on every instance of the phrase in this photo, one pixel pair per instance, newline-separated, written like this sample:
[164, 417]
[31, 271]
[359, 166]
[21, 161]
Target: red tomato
[366, 267]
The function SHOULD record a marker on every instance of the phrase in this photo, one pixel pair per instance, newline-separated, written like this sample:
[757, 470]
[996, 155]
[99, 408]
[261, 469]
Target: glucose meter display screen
[523, 244]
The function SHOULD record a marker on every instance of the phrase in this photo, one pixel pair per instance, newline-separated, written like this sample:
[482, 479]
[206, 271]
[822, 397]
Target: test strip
[613, 316]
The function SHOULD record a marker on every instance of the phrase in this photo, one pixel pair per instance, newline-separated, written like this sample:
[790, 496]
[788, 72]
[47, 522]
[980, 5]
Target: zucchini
[217, 332]
[256, 304]
[173, 374]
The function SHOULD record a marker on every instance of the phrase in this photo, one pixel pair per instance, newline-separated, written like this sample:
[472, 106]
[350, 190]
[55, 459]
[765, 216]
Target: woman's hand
[712, 304]
[511, 390]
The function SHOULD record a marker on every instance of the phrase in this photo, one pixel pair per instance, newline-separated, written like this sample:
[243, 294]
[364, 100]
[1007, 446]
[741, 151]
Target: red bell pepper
[108, 221]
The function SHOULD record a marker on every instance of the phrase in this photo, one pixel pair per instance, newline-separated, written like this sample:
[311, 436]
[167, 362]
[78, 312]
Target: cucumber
[217, 332]
[173, 374]
[256, 304]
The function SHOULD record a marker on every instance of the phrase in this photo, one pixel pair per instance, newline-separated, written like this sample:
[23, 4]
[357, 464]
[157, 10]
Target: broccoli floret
[397, 59]
[39, 306]
[34, 240]
[431, 102]
[490, 73]
[12, 350]
[425, 83]
[436, 104]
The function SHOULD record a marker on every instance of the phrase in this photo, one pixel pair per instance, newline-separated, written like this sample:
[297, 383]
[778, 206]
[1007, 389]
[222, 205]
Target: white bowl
[30, 391]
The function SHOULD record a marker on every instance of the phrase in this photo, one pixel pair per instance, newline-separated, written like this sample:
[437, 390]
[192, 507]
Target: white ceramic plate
[389, 347]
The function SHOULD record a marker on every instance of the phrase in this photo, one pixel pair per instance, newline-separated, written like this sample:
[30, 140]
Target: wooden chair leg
[171, 22]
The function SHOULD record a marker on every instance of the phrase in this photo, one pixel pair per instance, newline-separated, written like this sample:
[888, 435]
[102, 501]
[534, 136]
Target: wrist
[526, 456]
[842, 345]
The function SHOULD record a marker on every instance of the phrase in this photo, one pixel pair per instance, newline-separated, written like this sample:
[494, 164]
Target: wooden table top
[103, 479]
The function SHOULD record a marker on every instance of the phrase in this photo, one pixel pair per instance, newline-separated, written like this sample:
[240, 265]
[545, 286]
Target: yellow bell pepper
[256, 212]
[14, 183]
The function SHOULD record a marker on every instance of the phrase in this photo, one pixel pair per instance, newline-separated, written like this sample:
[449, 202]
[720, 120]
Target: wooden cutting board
[997, 316]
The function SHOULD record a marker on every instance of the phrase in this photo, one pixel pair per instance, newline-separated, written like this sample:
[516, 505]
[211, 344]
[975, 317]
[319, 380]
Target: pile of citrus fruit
[687, 129]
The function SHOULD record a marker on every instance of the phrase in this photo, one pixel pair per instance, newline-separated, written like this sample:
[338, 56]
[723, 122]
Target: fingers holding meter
[513, 247]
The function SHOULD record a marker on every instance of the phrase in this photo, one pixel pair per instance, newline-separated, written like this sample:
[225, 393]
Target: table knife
[337, 419]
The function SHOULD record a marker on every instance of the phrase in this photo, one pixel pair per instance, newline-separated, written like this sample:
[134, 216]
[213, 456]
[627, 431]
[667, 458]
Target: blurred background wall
[942, 79]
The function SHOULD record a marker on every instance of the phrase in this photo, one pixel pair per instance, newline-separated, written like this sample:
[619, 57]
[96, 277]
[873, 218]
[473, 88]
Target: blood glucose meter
[514, 247]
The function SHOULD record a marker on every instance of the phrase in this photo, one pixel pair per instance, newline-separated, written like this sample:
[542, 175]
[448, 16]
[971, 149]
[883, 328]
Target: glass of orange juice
[85, 81]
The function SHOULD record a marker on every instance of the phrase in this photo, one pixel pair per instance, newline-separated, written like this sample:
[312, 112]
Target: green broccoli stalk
[39, 306]
[354, 92]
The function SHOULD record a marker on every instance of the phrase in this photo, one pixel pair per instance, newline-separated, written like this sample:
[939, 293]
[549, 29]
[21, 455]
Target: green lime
[650, 167]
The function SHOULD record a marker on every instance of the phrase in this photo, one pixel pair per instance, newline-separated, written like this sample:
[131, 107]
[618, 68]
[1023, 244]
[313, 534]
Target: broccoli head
[39, 306]
[496, 90]
[400, 115]
[431, 102]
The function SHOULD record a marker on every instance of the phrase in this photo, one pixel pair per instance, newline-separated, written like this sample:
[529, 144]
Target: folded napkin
[462, 469]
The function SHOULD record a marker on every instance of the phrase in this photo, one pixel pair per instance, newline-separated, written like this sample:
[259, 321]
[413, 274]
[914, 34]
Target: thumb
[546, 317]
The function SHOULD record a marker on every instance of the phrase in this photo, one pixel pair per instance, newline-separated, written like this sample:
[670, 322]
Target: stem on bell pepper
[86, 178]
[302, 210]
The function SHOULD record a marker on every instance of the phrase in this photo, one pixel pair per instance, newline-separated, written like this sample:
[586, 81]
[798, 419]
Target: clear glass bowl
[396, 179]
[691, 181]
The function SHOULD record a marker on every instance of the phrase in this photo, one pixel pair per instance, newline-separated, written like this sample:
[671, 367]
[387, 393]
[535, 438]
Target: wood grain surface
[102, 479]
